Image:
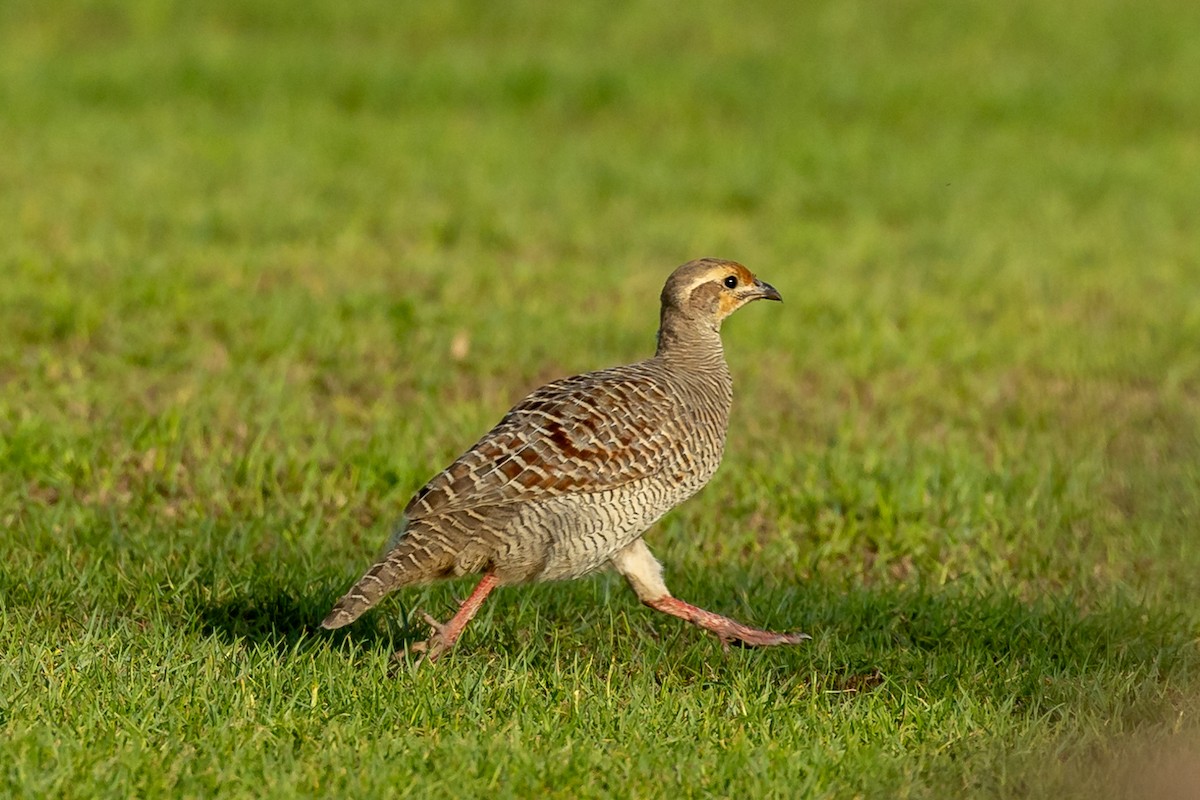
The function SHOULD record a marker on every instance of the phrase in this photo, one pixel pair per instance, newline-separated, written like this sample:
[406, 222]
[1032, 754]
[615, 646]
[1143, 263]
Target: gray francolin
[571, 477]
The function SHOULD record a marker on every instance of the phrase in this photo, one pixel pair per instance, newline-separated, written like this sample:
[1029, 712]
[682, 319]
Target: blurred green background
[266, 266]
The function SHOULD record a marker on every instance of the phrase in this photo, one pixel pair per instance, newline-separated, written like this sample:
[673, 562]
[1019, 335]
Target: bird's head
[709, 289]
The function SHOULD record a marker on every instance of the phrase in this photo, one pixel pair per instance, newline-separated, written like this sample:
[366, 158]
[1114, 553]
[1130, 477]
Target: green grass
[239, 241]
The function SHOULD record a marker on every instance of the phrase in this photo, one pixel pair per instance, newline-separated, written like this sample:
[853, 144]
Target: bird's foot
[447, 633]
[729, 631]
[435, 646]
[732, 632]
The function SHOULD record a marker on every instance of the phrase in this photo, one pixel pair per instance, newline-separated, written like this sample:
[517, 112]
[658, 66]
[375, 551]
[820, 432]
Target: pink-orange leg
[445, 635]
[727, 630]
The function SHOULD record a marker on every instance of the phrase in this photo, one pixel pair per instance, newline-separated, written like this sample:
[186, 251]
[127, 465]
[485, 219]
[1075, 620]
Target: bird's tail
[409, 562]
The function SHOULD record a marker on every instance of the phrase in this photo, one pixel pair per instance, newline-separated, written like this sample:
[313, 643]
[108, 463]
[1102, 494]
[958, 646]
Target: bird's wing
[576, 435]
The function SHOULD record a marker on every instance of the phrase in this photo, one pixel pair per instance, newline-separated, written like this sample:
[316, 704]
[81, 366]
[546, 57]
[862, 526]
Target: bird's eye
[731, 282]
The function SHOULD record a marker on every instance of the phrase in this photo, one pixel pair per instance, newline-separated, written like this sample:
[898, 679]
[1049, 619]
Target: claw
[433, 647]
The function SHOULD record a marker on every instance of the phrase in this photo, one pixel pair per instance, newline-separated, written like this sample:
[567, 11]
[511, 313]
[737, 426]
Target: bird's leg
[446, 634]
[644, 573]
[727, 630]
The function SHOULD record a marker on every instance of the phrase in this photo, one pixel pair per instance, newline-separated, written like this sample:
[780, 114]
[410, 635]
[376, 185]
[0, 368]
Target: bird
[571, 478]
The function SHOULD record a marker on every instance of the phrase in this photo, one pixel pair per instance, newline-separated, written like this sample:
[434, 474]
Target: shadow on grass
[289, 620]
[911, 635]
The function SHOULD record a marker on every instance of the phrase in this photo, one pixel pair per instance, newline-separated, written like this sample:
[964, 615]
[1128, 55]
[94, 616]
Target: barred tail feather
[408, 563]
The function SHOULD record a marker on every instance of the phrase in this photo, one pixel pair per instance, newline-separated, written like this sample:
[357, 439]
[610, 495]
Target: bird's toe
[760, 638]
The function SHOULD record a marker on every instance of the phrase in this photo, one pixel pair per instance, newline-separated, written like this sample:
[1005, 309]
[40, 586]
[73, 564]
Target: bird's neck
[692, 353]
[694, 343]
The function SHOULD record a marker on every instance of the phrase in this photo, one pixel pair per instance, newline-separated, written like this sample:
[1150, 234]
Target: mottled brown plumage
[575, 473]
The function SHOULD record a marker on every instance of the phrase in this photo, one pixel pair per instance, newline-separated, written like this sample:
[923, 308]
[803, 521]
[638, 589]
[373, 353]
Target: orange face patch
[728, 302]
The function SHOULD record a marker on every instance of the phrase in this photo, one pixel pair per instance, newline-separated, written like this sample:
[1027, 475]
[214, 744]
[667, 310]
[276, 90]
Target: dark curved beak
[766, 291]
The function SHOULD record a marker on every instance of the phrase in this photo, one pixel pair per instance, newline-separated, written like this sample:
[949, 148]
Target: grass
[266, 267]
